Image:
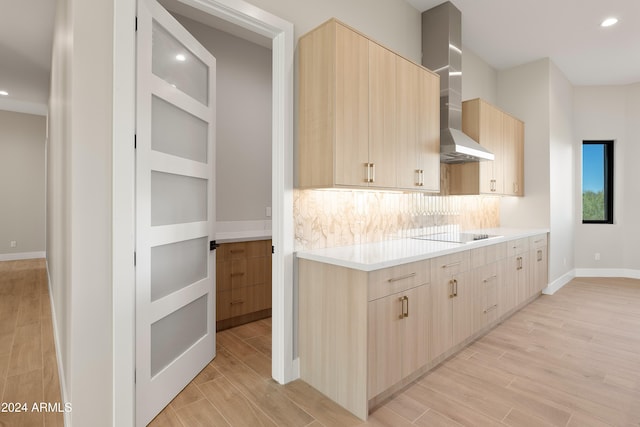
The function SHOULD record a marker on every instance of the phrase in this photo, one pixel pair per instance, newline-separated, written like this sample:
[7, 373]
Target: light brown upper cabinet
[503, 135]
[367, 116]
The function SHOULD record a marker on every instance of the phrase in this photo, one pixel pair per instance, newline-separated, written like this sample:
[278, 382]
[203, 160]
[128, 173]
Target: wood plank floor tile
[201, 414]
[209, 373]
[235, 344]
[166, 418]
[261, 343]
[190, 394]
[384, 417]
[251, 330]
[433, 418]
[233, 405]
[320, 407]
[26, 352]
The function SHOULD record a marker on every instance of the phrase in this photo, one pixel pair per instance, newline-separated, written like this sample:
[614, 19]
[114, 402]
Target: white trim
[281, 32]
[123, 213]
[56, 340]
[239, 230]
[557, 284]
[24, 107]
[22, 255]
[608, 272]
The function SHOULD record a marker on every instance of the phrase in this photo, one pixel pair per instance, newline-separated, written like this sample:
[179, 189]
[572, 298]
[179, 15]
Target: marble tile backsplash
[330, 218]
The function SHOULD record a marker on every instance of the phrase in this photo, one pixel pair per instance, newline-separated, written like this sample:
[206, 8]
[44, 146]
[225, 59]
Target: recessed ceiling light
[609, 22]
[180, 57]
[4, 93]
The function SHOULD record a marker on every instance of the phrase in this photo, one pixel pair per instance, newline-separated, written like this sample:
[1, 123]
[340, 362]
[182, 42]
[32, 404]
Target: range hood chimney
[442, 53]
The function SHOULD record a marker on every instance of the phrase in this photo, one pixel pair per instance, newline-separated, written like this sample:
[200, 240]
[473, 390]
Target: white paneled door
[175, 194]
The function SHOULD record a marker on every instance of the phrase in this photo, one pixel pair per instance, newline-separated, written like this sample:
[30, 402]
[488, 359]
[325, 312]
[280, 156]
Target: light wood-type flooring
[28, 367]
[571, 359]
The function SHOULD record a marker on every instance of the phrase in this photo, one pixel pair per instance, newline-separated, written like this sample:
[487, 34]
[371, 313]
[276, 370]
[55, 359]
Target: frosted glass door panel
[177, 265]
[175, 64]
[177, 199]
[176, 132]
[173, 335]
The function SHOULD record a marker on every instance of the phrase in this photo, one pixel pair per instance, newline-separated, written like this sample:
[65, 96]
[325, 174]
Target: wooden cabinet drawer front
[242, 301]
[488, 254]
[451, 265]
[397, 279]
[537, 242]
[518, 246]
[258, 248]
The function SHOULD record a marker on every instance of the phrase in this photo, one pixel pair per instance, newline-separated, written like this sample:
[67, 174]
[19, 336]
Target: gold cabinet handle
[488, 279]
[237, 251]
[453, 264]
[237, 274]
[493, 307]
[367, 167]
[539, 254]
[418, 182]
[373, 172]
[519, 263]
[406, 276]
[451, 288]
[238, 301]
[455, 284]
[405, 311]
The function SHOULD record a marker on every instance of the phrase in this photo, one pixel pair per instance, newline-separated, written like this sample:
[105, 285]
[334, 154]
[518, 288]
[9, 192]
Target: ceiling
[505, 33]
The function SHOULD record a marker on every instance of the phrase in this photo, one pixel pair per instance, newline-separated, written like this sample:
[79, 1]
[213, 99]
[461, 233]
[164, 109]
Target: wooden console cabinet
[243, 282]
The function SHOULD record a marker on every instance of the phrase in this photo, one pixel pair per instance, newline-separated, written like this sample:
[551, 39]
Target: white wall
[524, 92]
[479, 79]
[243, 122]
[561, 175]
[610, 113]
[393, 23]
[22, 183]
[79, 204]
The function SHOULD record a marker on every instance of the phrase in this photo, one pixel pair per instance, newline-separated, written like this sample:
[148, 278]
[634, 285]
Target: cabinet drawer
[537, 242]
[397, 279]
[242, 301]
[451, 265]
[518, 246]
[488, 254]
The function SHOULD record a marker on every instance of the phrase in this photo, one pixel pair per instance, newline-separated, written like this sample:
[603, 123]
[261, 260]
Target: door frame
[281, 32]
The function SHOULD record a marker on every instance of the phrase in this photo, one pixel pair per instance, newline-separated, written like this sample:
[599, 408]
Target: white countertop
[374, 256]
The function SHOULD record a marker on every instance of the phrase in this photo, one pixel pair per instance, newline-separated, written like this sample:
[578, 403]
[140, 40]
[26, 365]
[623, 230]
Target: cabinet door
[513, 154]
[508, 292]
[407, 110]
[385, 343]
[382, 116]
[520, 270]
[539, 269]
[351, 107]
[463, 308]
[491, 179]
[441, 316]
[416, 327]
[429, 130]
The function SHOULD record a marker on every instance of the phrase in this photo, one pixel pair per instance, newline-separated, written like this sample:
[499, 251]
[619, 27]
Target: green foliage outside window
[593, 208]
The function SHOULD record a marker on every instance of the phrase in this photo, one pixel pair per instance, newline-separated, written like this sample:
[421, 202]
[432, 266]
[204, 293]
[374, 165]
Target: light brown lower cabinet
[243, 282]
[398, 337]
[364, 335]
[539, 263]
[452, 302]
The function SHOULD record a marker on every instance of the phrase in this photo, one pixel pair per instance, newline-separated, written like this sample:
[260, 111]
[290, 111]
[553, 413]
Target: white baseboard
[22, 255]
[557, 284]
[608, 272]
[56, 340]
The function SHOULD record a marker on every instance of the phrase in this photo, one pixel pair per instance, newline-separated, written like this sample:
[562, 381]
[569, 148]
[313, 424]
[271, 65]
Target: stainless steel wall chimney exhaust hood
[442, 53]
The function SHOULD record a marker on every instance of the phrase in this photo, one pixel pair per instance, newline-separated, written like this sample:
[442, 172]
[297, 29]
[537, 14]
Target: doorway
[281, 34]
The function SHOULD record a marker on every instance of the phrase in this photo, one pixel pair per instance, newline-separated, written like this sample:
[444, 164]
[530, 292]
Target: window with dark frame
[597, 182]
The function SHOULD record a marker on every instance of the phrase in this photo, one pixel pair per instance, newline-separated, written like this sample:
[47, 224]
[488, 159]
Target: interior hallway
[28, 366]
